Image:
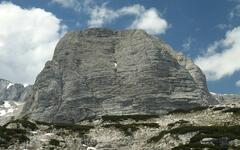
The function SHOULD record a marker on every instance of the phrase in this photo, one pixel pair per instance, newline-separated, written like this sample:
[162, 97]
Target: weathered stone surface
[98, 71]
[108, 135]
[227, 99]
[16, 92]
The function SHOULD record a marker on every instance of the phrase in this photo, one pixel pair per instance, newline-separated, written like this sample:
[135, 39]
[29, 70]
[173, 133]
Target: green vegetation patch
[81, 129]
[218, 108]
[10, 136]
[185, 111]
[43, 123]
[54, 142]
[180, 122]
[232, 110]
[25, 123]
[126, 117]
[216, 132]
[128, 129]
[197, 146]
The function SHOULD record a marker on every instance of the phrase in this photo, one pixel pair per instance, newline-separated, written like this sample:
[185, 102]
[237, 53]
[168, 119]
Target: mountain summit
[98, 72]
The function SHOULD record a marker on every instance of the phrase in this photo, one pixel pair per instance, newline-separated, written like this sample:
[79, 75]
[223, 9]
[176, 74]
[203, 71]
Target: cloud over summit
[100, 14]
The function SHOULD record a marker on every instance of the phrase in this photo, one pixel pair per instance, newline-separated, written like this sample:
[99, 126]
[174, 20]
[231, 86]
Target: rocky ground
[8, 110]
[216, 127]
[96, 72]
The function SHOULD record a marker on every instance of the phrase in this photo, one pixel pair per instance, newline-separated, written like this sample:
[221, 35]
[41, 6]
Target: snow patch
[9, 85]
[11, 110]
[17, 103]
[25, 84]
[34, 132]
[2, 112]
[49, 134]
[213, 93]
[115, 64]
[91, 148]
[6, 104]
[9, 107]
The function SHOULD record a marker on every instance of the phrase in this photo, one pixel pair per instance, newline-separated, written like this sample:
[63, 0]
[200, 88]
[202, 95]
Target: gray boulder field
[98, 72]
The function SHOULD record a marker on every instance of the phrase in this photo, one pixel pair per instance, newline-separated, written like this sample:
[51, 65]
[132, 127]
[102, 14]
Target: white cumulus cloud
[66, 3]
[146, 19]
[151, 22]
[238, 83]
[235, 12]
[187, 44]
[27, 40]
[222, 57]
[100, 15]
[77, 5]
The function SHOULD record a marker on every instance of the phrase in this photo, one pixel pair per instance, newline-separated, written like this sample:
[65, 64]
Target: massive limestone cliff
[15, 92]
[98, 72]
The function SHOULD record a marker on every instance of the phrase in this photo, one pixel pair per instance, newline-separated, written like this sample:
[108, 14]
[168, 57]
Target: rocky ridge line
[14, 92]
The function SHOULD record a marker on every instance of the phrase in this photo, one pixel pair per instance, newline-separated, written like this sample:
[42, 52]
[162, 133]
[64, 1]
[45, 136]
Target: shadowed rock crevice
[98, 72]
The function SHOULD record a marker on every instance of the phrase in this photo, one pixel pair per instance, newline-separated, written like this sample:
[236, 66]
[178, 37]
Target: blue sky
[208, 31]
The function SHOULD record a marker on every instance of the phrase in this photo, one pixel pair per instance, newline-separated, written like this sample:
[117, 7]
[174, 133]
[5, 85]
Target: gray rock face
[227, 99]
[99, 72]
[16, 92]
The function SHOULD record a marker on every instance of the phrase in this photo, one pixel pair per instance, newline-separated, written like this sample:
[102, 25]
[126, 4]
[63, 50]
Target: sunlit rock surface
[98, 72]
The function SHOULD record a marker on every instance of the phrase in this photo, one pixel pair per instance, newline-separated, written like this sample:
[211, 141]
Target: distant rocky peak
[13, 91]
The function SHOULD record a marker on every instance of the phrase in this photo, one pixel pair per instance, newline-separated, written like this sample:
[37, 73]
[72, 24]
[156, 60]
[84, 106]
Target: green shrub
[11, 136]
[54, 142]
[81, 129]
[232, 132]
[185, 111]
[43, 123]
[197, 146]
[25, 123]
[128, 129]
[232, 110]
[180, 122]
[126, 117]
[218, 108]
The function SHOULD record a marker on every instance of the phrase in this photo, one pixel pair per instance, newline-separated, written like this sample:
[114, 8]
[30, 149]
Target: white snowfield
[9, 85]
[91, 148]
[25, 84]
[9, 109]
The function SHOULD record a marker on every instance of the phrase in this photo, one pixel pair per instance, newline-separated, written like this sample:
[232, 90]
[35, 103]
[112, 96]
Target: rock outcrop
[215, 128]
[15, 92]
[227, 99]
[99, 72]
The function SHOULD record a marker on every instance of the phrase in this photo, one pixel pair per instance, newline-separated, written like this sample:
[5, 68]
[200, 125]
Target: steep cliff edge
[99, 72]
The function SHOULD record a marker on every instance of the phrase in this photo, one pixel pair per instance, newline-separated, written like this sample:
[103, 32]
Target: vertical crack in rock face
[99, 72]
